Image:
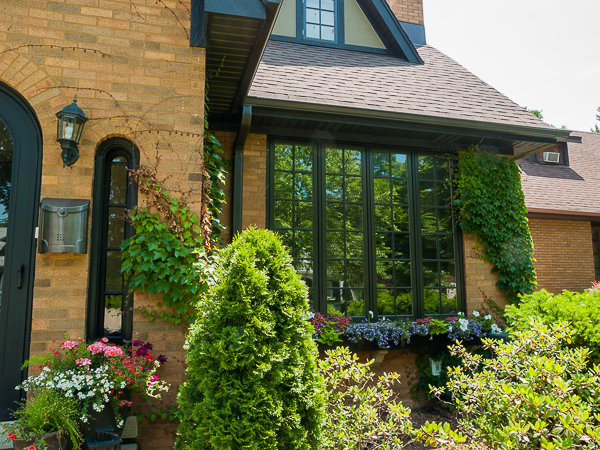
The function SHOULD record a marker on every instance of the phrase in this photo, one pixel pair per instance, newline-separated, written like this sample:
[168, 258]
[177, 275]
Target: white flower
[475, 313]
[496, 328]
[464, 324]
[488, 317]
[371, 314]
[311, 315]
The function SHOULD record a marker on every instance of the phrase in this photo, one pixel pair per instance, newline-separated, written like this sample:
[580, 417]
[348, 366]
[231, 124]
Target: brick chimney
[408, 10]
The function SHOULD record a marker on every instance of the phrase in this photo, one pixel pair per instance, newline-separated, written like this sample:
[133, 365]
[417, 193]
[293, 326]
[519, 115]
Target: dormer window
[320, 20]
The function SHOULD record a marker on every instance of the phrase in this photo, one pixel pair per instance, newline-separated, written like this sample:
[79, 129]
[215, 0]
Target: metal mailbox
[63, 225]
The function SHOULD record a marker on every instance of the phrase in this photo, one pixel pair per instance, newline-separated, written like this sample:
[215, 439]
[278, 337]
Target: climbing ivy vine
[491, 205]
[172, 252]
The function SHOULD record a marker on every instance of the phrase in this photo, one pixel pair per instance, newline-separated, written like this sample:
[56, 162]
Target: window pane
[401, 246]
[113, 315]
[432, 301]
[381, 164]
[114, 278]
[399, 165]
[335, 216]
[283, 157]
[327, 18]
[305, 269]
[335, 187]
[430, 273]
[312, 4]
[335, 273]
[385, 273]
[446, 247]
[401, 220]
[353, 189]
[312, 15]
[303, 187]
[356, 274]
[283, 184]
[327, 33]
[116, 227]
[385, 302]
[382, 190]
[383, 242]
[352, 162]
[429, 246]
[283, 214]
[428, 220]
[354, 245]
[354, 217]
[334, 160]
[426, 168]
[404, 302]
[335, 244]
[312, 31]
[445, 220]
[400, 188]
[304, 244]
[327, 5]
[303, 158]
[427, 193]
[356, 302]
[118, 184]
[403, 278]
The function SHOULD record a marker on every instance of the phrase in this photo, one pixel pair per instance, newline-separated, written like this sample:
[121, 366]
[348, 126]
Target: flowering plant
[98, 374]
[385, 332]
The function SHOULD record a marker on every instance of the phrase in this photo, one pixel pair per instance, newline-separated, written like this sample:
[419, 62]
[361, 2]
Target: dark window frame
[108, 150]
[596, 248]
[319, 268]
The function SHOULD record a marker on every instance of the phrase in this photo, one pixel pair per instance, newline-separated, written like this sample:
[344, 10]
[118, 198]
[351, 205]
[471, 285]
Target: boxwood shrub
[252, 380]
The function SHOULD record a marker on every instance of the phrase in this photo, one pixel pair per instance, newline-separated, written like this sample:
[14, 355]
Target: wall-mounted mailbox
[63, 225]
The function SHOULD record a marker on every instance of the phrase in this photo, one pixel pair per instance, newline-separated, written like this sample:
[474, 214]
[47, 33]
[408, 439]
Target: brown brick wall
[480, 282]
[135, 75]
[408, 10]
[255, 182]
[563, 254]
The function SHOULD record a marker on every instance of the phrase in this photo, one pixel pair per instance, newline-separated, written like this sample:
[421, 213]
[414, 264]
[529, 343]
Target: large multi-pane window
[320, 19]
[370, 229]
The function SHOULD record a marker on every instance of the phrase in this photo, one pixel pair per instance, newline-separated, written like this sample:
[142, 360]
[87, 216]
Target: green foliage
[535, 394]
[252, 375]
[167, 256]
[330, 336]
[421, 389]
[596, 129]
[363, 412]
[580, 310]
[49, 411]
[492, 207]
[535, 112]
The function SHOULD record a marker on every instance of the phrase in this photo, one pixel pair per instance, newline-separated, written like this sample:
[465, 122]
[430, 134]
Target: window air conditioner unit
[551, 157]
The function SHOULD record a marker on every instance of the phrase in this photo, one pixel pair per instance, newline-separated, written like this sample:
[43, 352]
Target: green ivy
[491, 206]
[171, 252]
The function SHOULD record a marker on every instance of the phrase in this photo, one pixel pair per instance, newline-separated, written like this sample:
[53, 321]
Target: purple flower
[161, 359]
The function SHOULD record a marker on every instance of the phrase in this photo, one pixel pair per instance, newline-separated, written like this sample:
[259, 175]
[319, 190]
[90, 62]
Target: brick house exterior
[139, 68]
[564, 213]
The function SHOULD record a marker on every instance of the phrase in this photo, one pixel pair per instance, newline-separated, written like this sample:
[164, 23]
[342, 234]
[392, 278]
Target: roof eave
[461, 126]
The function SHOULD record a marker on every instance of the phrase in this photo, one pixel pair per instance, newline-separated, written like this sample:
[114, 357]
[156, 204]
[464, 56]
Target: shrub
[580, 310]
[535, 393]
[252, 376]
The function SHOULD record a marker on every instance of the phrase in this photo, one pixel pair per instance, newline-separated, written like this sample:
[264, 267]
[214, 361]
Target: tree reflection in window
[368, 228]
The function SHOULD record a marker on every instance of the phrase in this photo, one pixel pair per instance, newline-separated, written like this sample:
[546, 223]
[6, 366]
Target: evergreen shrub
[252, 380]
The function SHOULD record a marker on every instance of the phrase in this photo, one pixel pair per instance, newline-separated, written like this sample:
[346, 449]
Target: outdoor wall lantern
[71, 121]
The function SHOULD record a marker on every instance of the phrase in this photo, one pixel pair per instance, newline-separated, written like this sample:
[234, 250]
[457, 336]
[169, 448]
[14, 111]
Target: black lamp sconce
[71, 120]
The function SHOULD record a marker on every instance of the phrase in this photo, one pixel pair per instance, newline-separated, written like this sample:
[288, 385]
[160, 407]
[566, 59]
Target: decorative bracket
[378, 356]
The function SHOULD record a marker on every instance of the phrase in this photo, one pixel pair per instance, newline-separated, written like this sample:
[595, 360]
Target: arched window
[109, 302]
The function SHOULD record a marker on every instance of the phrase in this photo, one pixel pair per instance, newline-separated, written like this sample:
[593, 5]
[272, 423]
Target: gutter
[540, 213]
[391, 119]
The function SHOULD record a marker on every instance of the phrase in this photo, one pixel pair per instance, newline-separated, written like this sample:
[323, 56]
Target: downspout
[238, 169]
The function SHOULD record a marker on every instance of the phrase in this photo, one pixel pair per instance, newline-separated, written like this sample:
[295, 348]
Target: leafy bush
[252, 376]
[580, 310]
[363, 413]
[535, 393]
[46, 412]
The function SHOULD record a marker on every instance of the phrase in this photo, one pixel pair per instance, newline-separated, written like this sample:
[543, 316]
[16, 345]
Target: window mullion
[415, 235]
[320, 257]
[369, 234]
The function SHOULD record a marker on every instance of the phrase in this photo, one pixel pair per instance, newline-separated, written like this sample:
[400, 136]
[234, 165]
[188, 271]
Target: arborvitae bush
[252, 380]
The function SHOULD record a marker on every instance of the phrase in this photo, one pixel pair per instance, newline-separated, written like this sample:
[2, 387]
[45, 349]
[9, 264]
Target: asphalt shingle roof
[559, 188]
[440, 87]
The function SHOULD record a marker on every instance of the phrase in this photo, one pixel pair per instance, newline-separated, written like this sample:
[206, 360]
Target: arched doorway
[20, 172]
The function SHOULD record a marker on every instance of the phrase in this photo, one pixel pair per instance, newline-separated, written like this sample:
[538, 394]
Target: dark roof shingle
[440, 87]
[566, 189]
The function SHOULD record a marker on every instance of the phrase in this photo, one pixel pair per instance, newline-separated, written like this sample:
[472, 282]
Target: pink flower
[83, 362]
[96, 347]
[104, 339]
[152, 379]
[31, 447]
[113, 351]
[69, 344]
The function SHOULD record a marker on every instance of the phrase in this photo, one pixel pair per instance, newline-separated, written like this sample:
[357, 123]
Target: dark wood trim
[109, 148]
[198, 24]
[15, 331]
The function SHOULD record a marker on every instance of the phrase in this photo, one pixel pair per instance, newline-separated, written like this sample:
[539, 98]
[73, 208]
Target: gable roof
[572, 190]
[440, 87]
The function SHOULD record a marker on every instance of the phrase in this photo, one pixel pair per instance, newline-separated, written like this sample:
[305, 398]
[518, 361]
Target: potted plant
[48, 420]
[98, 375]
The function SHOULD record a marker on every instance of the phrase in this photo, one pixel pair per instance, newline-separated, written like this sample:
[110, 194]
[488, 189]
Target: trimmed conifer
[252, 381]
